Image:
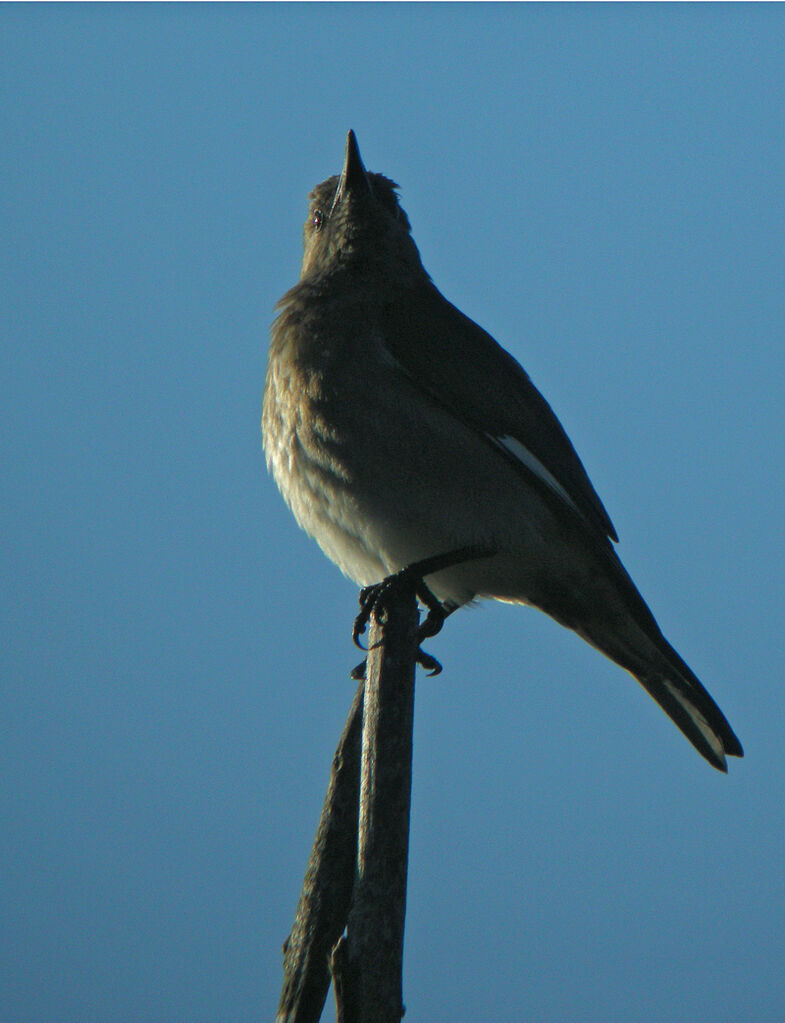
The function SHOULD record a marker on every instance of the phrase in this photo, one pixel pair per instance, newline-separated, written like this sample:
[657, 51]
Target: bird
[399, 431]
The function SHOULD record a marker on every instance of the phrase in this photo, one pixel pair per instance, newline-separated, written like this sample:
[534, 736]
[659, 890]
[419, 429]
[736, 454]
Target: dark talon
[368, 599]
[372, 599]
[436, 613]
[431, 665]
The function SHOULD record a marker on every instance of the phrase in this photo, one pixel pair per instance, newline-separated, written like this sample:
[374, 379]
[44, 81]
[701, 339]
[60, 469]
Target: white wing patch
[525, 457]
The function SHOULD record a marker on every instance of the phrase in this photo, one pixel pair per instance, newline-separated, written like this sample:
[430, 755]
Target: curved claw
[434, 619]
[369, 597]
[357, 630]
[431, 665]
[372, 599]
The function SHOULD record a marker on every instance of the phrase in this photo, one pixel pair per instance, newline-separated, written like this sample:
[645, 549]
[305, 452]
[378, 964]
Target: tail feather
[631, 637]
[683, 712]
[691, 708]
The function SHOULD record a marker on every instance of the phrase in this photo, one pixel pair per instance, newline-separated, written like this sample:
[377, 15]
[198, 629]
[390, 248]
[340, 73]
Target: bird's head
[355, 220]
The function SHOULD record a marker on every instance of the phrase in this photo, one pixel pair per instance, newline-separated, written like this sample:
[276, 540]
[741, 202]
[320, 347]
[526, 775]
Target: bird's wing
[463, 368]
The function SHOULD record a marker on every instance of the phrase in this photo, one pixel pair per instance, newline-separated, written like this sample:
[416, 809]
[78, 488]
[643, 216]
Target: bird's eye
[317, 219]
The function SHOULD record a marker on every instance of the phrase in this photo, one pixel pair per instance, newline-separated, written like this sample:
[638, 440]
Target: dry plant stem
[367, 965]
[326, 894]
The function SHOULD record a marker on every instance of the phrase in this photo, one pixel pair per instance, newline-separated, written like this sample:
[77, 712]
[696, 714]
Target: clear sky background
[602, 189]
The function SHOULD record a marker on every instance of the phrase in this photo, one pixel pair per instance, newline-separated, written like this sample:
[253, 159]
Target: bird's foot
[425, 660]
[373, 599]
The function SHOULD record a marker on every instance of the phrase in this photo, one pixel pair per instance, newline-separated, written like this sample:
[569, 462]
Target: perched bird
[398, 430]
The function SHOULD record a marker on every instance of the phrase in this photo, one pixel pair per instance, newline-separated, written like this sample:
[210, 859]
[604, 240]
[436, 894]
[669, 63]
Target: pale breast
[302, 451]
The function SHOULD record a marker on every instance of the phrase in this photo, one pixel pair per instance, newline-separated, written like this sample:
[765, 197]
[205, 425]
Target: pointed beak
[353, 176]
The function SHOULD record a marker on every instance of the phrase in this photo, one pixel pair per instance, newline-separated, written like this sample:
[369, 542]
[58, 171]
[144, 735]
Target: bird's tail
[624, 629]
[687, 703]
[650, 658]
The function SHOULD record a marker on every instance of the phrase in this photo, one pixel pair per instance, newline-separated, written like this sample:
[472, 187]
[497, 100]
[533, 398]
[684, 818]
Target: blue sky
[601, 188]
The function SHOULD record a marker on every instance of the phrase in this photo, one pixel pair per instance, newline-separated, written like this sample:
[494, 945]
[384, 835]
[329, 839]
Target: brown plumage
[397, 429]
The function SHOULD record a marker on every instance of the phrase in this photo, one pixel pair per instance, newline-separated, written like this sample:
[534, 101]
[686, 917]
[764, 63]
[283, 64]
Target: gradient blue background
[602, 189]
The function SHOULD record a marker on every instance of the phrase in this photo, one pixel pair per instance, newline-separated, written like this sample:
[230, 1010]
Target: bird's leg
[372, 598]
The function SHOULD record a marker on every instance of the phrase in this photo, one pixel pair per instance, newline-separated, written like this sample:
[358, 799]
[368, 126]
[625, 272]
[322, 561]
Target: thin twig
[324, 902]
[367, 964]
